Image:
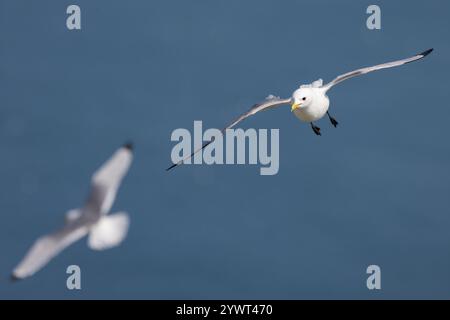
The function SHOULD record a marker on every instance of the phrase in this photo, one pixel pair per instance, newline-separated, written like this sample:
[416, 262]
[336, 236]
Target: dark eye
[304, 98]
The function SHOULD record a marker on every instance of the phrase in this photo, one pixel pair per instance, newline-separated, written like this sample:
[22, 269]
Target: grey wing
[375, 68]
[47, 247]
[269, 103]
[106, 181]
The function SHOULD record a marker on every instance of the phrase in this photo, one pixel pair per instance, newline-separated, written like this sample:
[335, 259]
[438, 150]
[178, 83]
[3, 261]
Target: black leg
[332, 120]
[315, 129]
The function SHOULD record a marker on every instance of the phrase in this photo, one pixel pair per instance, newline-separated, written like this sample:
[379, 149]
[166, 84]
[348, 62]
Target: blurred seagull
[105, 231]
[310, 102]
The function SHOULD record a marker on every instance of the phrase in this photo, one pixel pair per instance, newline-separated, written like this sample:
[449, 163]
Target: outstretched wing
[375, 68]
[106, 181]
[46, 247]
[270, 102]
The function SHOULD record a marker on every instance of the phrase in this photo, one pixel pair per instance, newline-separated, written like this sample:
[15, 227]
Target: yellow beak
[295, 106]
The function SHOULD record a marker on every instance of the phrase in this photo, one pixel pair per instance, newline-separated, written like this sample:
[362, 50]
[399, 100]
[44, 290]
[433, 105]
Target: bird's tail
[109, 232]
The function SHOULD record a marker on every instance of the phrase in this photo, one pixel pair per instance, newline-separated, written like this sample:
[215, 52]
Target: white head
[302, 98]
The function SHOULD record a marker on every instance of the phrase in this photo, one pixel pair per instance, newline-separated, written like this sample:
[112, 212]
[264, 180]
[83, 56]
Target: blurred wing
[46, 247]
[375, 68]
[268, 103]
[106, 181]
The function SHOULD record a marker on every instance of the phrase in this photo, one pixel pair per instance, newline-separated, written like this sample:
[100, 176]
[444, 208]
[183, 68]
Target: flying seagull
[105, 231]
[310, 102]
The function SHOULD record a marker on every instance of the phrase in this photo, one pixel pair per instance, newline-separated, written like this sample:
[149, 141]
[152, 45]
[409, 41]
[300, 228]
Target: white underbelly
[313, 112]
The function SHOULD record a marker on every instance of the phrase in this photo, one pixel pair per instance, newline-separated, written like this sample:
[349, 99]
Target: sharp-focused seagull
[105, 231]
[310, 102]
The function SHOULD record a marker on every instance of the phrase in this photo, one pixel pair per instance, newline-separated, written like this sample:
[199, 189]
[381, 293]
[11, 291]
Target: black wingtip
[425, 53]
[129, 145]
[172, 166]
[14, 278]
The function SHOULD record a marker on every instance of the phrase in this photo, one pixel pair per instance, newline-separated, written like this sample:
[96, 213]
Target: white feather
[109, 231]
[316, 84]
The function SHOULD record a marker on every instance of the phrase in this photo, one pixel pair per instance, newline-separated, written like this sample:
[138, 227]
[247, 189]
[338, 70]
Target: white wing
[46, 247]
[269, 103]
[109, 232]
[106, 181]
[375, 68]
